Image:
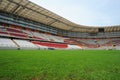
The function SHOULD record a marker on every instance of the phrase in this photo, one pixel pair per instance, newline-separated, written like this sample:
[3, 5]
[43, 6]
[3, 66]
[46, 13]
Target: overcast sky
[85, 12]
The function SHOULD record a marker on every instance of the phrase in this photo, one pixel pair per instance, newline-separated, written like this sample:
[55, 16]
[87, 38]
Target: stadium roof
[29, 10]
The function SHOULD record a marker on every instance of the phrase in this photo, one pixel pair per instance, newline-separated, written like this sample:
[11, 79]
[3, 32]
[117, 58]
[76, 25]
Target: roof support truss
[38, 12]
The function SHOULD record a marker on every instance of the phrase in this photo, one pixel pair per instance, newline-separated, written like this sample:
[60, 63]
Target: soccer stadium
[37, 44]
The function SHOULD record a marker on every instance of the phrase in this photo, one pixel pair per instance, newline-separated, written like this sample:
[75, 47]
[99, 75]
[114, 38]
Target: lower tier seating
[74, 47]
[6, 43]
[51, 45]
[24, 44]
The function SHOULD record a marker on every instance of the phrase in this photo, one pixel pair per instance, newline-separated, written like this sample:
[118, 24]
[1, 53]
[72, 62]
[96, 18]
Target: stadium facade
[25, 25]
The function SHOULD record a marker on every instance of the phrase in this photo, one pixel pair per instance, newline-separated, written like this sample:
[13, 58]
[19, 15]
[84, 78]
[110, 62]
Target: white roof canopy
[29, 10]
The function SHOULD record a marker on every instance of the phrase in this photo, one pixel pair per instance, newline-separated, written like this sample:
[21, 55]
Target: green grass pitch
[59, 65]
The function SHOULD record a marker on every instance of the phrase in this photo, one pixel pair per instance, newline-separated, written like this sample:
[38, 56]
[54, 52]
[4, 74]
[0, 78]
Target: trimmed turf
[59, 65]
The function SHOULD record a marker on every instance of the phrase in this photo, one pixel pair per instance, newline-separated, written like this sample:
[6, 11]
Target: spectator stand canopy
[29, 10]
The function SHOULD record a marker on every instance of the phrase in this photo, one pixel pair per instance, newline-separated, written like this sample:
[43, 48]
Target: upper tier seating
[29, 33]
[38, 36]
[70, 41]
[94, 41]
[25, 34]
[116, 42]
[13, 30]
[100, 43]
[7, 44]
[16, 33]
[48, 37]
[23, 44]
[113, 42]
[54, 38]
[3, 31]
[32, 36]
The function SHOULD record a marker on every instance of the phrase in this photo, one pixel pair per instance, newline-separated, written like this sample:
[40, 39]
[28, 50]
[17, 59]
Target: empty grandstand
[25, 25]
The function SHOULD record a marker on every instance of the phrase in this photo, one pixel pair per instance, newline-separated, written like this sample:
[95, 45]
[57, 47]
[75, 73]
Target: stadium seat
[51, 45]
[6, 43]
[24, 44]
